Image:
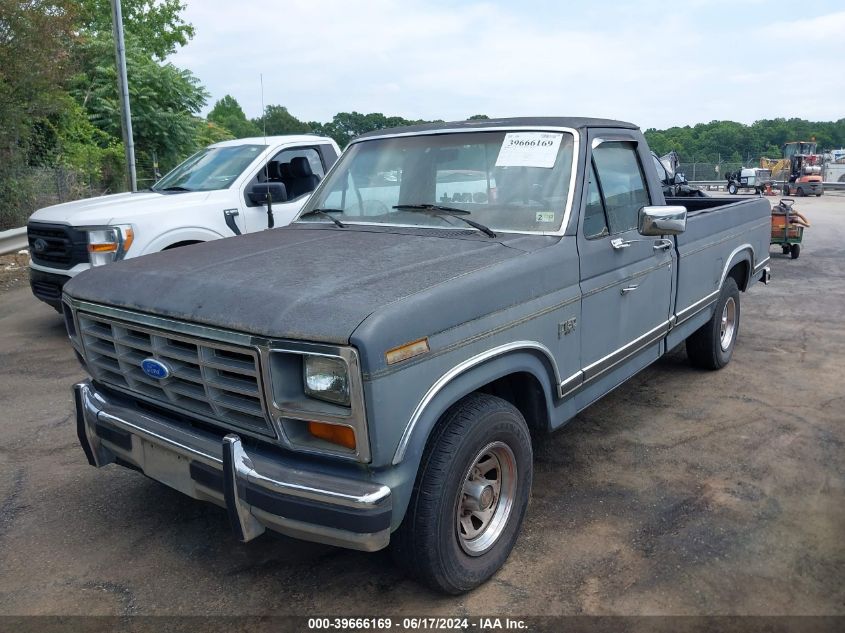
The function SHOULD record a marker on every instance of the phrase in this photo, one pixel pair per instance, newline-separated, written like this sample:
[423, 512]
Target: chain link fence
[712, 171]
[24, 190]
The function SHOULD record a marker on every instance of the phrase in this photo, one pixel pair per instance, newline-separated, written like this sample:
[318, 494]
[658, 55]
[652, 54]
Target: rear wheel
[712, 345]
[795, 251]
[785, 249]
[469, 498]
[732, 189]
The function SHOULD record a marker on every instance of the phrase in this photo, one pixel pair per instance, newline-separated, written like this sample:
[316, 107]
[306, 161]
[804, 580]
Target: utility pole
[123, 90]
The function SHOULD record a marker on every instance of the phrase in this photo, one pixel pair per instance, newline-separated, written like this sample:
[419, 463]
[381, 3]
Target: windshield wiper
[436, 209]
[175, 188]
[326, 214]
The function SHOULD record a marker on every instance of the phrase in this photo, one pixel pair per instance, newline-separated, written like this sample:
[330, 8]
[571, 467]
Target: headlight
[109, 244]
[327, 379]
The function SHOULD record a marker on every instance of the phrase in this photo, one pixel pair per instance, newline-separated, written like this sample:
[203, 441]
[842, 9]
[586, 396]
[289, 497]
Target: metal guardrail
[13, 240]
[829, 186]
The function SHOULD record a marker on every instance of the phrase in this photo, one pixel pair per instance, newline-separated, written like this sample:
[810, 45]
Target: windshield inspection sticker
[529, 149]
[545, 216]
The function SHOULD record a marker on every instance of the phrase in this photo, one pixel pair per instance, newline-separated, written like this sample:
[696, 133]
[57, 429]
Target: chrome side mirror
[657, 221]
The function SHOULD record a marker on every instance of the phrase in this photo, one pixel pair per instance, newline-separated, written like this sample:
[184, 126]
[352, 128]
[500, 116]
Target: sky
[655, 63]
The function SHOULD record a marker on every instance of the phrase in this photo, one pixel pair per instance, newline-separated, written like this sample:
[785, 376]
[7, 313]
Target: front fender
[174, 236]
[439, 398]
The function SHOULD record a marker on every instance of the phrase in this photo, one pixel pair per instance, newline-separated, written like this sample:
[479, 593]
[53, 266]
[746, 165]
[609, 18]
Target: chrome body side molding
[456, 371]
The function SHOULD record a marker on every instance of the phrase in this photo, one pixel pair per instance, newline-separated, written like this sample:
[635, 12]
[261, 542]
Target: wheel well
[178, 244]
[740, 274]
[524, 392]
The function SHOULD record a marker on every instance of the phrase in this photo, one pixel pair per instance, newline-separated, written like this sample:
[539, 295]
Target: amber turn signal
[334, 433]
[404, 352]
[110, 247]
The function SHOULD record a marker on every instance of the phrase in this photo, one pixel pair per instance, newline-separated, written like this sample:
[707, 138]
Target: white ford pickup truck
[220, 191]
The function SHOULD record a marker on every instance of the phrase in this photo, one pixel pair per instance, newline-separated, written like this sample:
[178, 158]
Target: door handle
[619, 243]
[662, 245]
[628, 289]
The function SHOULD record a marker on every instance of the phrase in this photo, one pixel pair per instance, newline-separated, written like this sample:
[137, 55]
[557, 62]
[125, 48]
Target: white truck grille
[215, 382]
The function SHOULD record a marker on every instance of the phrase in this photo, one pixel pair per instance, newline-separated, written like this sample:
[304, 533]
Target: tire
[732, 189]
[785, 248]
[800, 192]
[786, 190]
[795, 250]
[818, 195]
[711, 346]
[432, 544]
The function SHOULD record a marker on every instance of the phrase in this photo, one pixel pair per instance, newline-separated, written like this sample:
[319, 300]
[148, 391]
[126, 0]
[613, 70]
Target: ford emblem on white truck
[155, 368]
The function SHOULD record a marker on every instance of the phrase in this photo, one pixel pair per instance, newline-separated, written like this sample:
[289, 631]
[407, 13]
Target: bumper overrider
[258, 491]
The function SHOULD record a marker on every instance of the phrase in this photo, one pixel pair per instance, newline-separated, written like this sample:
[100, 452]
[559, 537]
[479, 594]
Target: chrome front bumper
[257, 488]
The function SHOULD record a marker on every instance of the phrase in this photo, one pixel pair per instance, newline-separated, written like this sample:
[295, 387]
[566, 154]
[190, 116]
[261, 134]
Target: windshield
[210, 169]
[508, 181]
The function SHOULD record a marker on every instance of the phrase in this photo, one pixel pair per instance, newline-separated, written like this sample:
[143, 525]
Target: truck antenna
[270, 221]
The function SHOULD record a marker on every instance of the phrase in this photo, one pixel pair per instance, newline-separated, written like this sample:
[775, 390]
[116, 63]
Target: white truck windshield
[210, 169]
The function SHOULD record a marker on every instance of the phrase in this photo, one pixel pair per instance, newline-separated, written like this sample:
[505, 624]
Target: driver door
[626, 278]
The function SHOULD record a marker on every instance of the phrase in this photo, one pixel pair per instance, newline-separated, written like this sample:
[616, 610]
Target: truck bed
[720, 232]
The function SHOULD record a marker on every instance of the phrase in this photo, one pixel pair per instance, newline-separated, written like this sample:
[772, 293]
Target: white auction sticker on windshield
[529, 149]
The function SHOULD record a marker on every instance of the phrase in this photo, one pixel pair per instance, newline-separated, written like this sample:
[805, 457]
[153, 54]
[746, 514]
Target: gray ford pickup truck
[374, 373]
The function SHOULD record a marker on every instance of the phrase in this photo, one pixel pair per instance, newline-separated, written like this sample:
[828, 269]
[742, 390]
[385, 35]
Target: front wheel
[712, 345]
[795, 250]
[469, 497]
[732, 189]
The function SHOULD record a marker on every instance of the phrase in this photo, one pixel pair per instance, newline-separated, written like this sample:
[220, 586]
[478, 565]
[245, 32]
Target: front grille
[213, 382]
[57, 245]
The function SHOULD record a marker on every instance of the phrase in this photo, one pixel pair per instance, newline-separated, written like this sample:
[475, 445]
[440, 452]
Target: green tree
[164, 100]
[208, 132]
[345, 126]
[36, 38]
[279, 121]
[478, 117]
[228, 114]
[156, 26]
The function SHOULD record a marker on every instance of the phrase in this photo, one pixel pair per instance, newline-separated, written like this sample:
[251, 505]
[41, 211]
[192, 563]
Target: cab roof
[480, 124]
[273, 140]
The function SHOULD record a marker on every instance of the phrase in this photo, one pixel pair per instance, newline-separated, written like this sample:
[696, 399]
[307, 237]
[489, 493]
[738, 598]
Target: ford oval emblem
[155, 368]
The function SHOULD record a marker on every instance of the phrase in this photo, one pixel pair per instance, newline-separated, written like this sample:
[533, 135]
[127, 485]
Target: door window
[595, 221]
[313, 156]
[620, 178]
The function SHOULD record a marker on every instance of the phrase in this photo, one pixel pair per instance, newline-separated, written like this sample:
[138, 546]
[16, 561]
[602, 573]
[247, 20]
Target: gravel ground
[13, 271]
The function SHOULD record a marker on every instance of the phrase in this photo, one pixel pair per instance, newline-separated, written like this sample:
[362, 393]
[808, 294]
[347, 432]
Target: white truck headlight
[109, 243]
[326, 378]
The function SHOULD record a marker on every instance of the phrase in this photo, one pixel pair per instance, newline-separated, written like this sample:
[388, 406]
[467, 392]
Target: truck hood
[115, 208]
[305, 283]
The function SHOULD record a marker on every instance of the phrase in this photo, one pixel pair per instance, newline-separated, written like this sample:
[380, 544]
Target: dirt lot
[13, 271]
[683, 492]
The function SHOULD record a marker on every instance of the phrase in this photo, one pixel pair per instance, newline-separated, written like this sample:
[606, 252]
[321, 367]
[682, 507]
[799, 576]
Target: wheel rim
[728, 326]
[486, 498]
